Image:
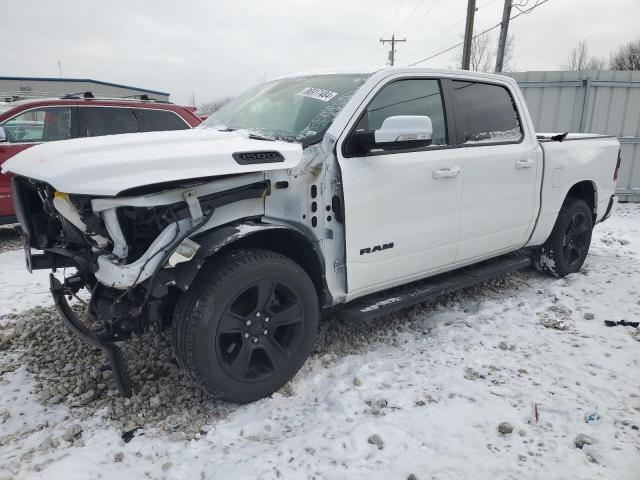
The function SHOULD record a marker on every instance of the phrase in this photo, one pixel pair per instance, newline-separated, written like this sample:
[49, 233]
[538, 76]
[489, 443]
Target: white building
[34, 87]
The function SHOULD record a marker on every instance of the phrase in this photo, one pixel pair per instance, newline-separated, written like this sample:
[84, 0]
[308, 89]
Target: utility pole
[504, 30]
[392, 52]
[468, 35]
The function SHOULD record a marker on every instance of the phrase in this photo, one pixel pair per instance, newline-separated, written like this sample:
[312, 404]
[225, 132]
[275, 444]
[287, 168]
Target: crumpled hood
[112, 164]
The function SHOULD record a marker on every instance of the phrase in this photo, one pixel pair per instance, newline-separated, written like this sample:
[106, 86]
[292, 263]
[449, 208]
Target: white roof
[399, 69]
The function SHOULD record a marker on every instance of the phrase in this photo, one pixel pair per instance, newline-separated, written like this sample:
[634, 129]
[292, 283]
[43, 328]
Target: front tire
[247, 324]
[567, 247]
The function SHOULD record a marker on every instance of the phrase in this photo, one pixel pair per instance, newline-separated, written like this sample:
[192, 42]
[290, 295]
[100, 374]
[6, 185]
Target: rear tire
[246, 324]
[567, 247]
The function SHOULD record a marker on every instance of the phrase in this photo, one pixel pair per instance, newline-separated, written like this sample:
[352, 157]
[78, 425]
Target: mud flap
[114, 354]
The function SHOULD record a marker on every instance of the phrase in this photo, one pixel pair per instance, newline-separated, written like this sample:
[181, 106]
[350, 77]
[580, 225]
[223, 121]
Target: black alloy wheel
[259, 330]
[576, 239]
[247, 324]
[567, 247]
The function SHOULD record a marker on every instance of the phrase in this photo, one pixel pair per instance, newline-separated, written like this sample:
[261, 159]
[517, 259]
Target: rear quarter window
[485, 113]
[161, 120]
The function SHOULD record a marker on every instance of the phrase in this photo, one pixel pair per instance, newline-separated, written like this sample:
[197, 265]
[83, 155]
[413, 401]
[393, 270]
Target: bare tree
[208, 108]
[483, 54]
[579, 59]
[507, 63]
[627, 57]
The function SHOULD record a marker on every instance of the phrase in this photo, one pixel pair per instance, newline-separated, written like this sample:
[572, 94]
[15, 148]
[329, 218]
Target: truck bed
[590, 162]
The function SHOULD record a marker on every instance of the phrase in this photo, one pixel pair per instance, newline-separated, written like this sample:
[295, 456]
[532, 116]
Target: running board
[431, 288]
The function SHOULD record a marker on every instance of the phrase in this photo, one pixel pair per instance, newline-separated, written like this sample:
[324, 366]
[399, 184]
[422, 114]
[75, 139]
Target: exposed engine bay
[124, 249]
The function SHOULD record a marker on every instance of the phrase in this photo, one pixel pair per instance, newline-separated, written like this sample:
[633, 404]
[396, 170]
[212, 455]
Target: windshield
[298, 109]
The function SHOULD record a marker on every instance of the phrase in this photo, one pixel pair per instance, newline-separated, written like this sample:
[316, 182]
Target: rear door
[401, 214]
[499, 167]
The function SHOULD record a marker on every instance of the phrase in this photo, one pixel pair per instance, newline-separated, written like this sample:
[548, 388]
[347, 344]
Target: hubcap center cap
[255, 325]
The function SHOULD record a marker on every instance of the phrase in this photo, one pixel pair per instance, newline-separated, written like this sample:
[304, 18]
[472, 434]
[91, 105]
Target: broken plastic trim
[116, 359]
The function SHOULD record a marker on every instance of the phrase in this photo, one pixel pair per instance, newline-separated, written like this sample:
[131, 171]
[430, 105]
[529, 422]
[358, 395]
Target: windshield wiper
[255, 136]
[252, 135]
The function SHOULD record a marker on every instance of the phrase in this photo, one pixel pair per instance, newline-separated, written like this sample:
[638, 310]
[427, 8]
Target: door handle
[525, 163]
[446, 173]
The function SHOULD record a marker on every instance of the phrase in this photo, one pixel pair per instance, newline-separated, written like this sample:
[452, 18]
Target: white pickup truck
[374, 189]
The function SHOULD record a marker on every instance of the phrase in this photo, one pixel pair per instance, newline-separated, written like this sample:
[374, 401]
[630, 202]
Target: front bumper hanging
[114, 354]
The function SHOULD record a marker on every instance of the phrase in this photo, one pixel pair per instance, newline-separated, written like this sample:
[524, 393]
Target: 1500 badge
[376, 248]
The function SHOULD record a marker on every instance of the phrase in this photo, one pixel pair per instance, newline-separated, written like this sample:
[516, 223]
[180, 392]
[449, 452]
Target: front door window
[39, 125]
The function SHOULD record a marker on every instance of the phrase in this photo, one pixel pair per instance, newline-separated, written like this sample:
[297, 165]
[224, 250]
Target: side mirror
[404, 131]
[396, 133]
[3, 135]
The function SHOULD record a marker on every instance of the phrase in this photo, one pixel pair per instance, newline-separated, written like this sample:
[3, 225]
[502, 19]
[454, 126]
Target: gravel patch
[67, 371]
[9, 239]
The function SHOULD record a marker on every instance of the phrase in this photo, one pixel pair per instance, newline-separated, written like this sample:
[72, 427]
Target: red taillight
[615, 174]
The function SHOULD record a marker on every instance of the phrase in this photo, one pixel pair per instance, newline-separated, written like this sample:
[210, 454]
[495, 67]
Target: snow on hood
[109, 165]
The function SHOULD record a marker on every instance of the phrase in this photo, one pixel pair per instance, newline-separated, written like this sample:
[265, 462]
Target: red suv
[29, 122]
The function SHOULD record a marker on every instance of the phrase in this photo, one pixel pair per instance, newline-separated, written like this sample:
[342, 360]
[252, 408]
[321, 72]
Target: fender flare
[214, 240]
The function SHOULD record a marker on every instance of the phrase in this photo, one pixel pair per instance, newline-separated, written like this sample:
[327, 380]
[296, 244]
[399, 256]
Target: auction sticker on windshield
[318, 93]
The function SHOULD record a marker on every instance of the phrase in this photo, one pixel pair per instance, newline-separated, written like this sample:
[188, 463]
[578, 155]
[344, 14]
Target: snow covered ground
[420, 392]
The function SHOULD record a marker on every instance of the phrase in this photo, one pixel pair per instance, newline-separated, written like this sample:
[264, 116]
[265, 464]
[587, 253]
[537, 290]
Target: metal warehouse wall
[594, 102]
[54, 87]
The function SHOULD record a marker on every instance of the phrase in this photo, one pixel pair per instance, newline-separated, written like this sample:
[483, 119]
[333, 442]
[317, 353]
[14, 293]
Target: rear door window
[160, 120]
[99, 121]
[485, 113]
[40, 125]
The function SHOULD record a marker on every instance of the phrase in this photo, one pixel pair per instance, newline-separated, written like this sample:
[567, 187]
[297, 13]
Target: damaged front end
[125, 250]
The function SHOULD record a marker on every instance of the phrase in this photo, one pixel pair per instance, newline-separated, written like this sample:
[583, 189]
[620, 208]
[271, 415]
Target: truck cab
[368, 189]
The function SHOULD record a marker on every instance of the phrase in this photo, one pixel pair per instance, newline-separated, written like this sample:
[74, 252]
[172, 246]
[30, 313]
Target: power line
[439, 36]
[375, 56]
[442, 34]
[486, 4]
[422, 17]
[418, 5]
[394, 17]
[542, 2]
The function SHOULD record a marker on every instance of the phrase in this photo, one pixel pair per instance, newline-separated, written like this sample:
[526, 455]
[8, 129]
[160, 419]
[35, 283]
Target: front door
[401, 206]
[29, 128]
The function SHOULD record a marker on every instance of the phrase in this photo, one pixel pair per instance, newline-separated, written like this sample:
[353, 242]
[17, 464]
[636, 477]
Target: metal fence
[594, 102]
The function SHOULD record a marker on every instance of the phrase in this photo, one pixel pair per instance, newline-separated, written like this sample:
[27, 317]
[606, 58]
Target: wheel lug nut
[265, 331]
[257, 314]
[255, 340]
[266, 319]
[247, 323]
[246, 335]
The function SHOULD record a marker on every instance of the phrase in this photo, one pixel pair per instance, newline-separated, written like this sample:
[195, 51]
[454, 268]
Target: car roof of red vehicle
[9, 109]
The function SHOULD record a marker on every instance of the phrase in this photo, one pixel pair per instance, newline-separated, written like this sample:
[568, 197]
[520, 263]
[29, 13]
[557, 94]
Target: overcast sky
[217, 48]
